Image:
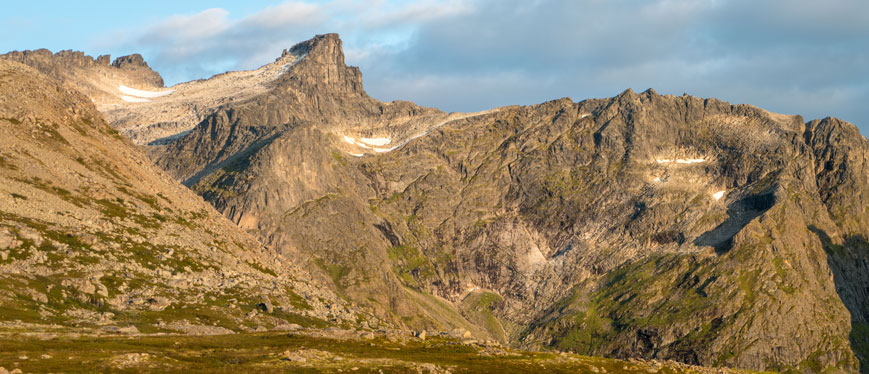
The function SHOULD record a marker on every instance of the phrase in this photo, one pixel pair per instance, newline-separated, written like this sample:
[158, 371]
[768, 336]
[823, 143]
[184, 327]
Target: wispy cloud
[793, 56]
[189, 46]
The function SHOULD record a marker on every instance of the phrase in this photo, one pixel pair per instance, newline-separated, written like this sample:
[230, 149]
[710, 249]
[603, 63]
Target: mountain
[97, 78]
[108, 265]
[93, 235]
[643, 225]
[267, 160]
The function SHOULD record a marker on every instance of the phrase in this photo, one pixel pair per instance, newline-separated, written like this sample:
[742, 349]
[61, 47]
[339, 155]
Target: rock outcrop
[137, 66]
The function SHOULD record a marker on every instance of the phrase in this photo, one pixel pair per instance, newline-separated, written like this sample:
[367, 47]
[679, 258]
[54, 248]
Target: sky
[787, 56]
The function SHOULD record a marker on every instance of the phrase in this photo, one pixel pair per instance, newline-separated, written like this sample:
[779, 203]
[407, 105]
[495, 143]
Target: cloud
[189, 46]
[184, 47]
[414, 13]
[787, 56]
[791, 56]
[283, 15]
[186, 28]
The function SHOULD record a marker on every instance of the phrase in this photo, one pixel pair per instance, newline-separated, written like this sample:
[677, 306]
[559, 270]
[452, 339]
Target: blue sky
[788, 56]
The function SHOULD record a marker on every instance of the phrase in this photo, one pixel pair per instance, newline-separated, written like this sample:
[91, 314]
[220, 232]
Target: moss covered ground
[290, 353]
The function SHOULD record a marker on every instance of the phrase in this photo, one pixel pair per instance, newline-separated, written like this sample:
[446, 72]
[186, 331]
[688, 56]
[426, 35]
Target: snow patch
[287, 66]
[584, 115]
[718, 195]
[376, 141]
[356, 154]
[680, 160]
[372, 143]
[142, 93]
[383, 150]
[367, 143]
[131, 99]
[439, 125]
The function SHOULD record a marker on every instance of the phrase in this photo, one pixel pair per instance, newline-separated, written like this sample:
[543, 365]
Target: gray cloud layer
[791, 56]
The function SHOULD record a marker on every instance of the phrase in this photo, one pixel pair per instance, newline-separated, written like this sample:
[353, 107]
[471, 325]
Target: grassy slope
[264, 352]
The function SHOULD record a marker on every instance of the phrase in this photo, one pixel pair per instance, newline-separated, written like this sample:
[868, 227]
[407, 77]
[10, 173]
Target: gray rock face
[842, 169]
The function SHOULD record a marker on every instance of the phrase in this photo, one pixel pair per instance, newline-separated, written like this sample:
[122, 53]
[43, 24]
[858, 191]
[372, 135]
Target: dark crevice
[386, 229]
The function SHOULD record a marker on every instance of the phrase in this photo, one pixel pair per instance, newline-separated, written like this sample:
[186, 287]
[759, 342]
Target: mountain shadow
[739, 214]
[850, 268]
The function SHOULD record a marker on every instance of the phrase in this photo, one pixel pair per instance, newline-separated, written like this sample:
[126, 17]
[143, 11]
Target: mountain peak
[628, 93]
[322, 67]
[130, 60]
[136, 64]
[324, 48]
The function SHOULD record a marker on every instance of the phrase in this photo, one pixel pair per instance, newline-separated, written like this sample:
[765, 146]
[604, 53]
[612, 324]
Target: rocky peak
[61, 65]
[627, 94]
[136, 64]
[322, 68]
[135, 60]
[325, 48]
[104, 60]
[842, 166]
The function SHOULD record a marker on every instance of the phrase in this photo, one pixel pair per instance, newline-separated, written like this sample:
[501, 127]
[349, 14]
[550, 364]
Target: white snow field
[376, 141]
[142, 93]
[131, 99]
[372, 143]
[681, 160]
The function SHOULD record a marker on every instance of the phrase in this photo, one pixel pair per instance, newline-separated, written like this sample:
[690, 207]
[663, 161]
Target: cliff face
[636, 226]
[94, 235]
[842, 167]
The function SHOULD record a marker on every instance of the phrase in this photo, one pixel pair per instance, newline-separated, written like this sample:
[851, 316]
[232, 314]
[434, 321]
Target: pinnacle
[321, 67]
[627, 93]
[324, 48]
